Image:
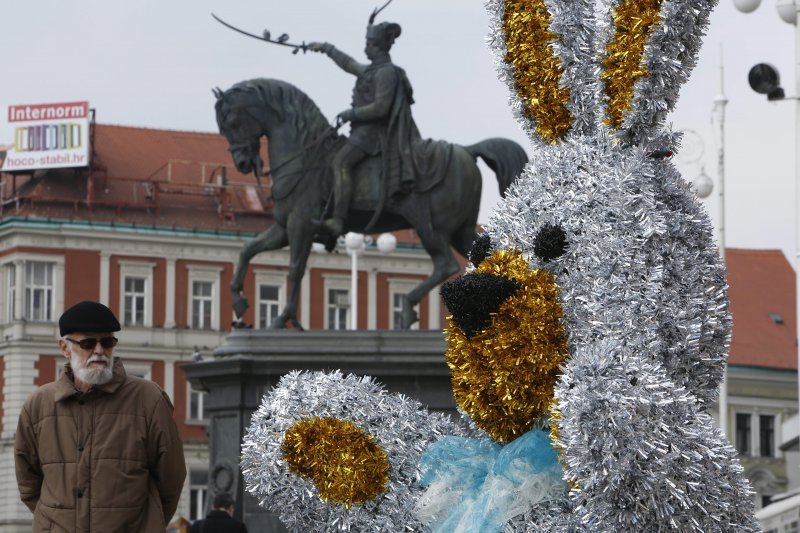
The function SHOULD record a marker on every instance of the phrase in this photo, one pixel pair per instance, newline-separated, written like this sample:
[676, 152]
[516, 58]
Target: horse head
[242, 128]
[261, 107]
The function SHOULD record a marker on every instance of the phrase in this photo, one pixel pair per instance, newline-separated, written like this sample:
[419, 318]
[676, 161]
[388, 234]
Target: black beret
[88, 316]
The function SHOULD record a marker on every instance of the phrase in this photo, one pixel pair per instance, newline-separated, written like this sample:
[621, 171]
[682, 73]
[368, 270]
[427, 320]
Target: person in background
[220, 518]
[97, 450]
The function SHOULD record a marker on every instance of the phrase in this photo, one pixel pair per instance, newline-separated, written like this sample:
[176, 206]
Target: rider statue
[380, 120]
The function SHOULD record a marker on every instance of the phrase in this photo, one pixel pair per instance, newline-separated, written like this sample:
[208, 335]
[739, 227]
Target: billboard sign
[45, 136]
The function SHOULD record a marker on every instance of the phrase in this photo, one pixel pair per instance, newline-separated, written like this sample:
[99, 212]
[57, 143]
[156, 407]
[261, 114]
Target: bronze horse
[301, 145]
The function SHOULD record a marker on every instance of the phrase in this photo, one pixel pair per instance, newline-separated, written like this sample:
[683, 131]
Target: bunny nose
[506, 341]
[473, 298]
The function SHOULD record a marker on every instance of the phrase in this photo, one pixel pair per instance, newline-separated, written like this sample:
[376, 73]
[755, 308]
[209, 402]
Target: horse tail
[505, 157]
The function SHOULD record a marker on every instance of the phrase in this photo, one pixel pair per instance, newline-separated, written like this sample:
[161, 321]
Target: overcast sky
[153, 63]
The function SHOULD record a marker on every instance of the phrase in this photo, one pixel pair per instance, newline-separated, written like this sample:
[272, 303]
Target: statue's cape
[410, 162]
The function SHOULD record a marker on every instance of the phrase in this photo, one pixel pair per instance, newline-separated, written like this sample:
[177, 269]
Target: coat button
[80, 448]
[80, 494]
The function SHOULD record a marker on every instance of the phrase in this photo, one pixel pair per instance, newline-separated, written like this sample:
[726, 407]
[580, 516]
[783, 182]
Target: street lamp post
[718, 114]
[356, 243]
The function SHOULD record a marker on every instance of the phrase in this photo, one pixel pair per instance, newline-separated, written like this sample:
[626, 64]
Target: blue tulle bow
[478, 484]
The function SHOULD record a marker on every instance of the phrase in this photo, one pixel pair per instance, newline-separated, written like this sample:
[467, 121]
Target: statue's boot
[341, 192]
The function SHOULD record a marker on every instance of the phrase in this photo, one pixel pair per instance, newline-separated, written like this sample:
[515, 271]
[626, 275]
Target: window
[196, 400]
[338, 308]
[399, 287]
[11, 291]
[134, 299]
[202, 304]
[397, 311]
[766, 433]
[743, 433]
[198, 490]
[269, 303]
[136, 293]
[203, 291]
[39, 291]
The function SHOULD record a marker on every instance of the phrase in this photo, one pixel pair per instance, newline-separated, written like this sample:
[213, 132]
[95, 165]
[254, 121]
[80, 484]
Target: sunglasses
[90, 342]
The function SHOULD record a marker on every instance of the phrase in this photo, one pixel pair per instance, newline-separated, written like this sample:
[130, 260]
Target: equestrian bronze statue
[384, 177]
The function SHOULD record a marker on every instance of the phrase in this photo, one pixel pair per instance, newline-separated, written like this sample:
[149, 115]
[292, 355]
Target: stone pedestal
[251, 362]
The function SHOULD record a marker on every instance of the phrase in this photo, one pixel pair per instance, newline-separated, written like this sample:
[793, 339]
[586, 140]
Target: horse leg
[272, 239]
[464, 240]
[444, 266]
[300, 234]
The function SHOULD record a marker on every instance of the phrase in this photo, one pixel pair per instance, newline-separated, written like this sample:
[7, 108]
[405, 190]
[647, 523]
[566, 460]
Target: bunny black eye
[480, 249]
[550, 242]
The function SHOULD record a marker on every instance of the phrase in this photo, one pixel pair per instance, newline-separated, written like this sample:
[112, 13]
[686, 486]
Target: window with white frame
[743, 433]
[136, 293]
[338, 309]
[269, 304]
[134, 298]
[270, 295]
[204, 296]
[196, 411]
[398, 289]
[202, 304]
[198, 491]
[39, 298]
[11, 291]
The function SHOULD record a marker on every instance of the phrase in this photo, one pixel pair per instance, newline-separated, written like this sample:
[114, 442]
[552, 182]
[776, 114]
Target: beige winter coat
[109, 460]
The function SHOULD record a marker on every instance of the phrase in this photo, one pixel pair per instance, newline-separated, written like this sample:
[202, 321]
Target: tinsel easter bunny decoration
[587, 341]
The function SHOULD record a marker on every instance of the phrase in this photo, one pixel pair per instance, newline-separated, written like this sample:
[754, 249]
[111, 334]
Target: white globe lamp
[746, 6]
[703, 185]
[387, 243]
[787, 11]
[354, 241]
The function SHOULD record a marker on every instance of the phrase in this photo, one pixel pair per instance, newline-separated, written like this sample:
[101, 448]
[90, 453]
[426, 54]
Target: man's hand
[319, 47]
[345, 116]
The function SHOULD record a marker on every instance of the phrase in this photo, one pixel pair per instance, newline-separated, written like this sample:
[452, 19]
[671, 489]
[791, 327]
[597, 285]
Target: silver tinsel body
[644, 294]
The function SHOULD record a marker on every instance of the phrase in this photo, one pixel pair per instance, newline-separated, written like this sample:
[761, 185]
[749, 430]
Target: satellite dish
[764, 79]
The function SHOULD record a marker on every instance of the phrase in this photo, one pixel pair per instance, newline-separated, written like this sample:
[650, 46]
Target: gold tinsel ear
[537, 71]
[623, 64]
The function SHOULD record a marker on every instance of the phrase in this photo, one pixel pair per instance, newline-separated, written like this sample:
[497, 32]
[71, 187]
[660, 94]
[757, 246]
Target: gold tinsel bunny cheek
[506, 338]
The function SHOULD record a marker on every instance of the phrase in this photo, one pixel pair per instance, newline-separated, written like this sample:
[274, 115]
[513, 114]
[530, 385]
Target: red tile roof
[762, 282]
[151, 177]
[147, 177]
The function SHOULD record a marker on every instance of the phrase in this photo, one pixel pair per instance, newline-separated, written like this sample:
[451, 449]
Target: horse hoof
[240, 305]
[409, 315]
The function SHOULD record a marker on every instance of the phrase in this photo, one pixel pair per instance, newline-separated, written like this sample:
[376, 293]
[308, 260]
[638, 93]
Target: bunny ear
[544, 48]
[651, 48]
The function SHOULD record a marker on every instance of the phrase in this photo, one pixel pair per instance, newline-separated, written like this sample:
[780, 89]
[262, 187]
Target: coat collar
[65, 386]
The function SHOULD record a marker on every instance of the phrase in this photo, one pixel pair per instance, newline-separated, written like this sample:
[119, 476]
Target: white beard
[92, 376]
